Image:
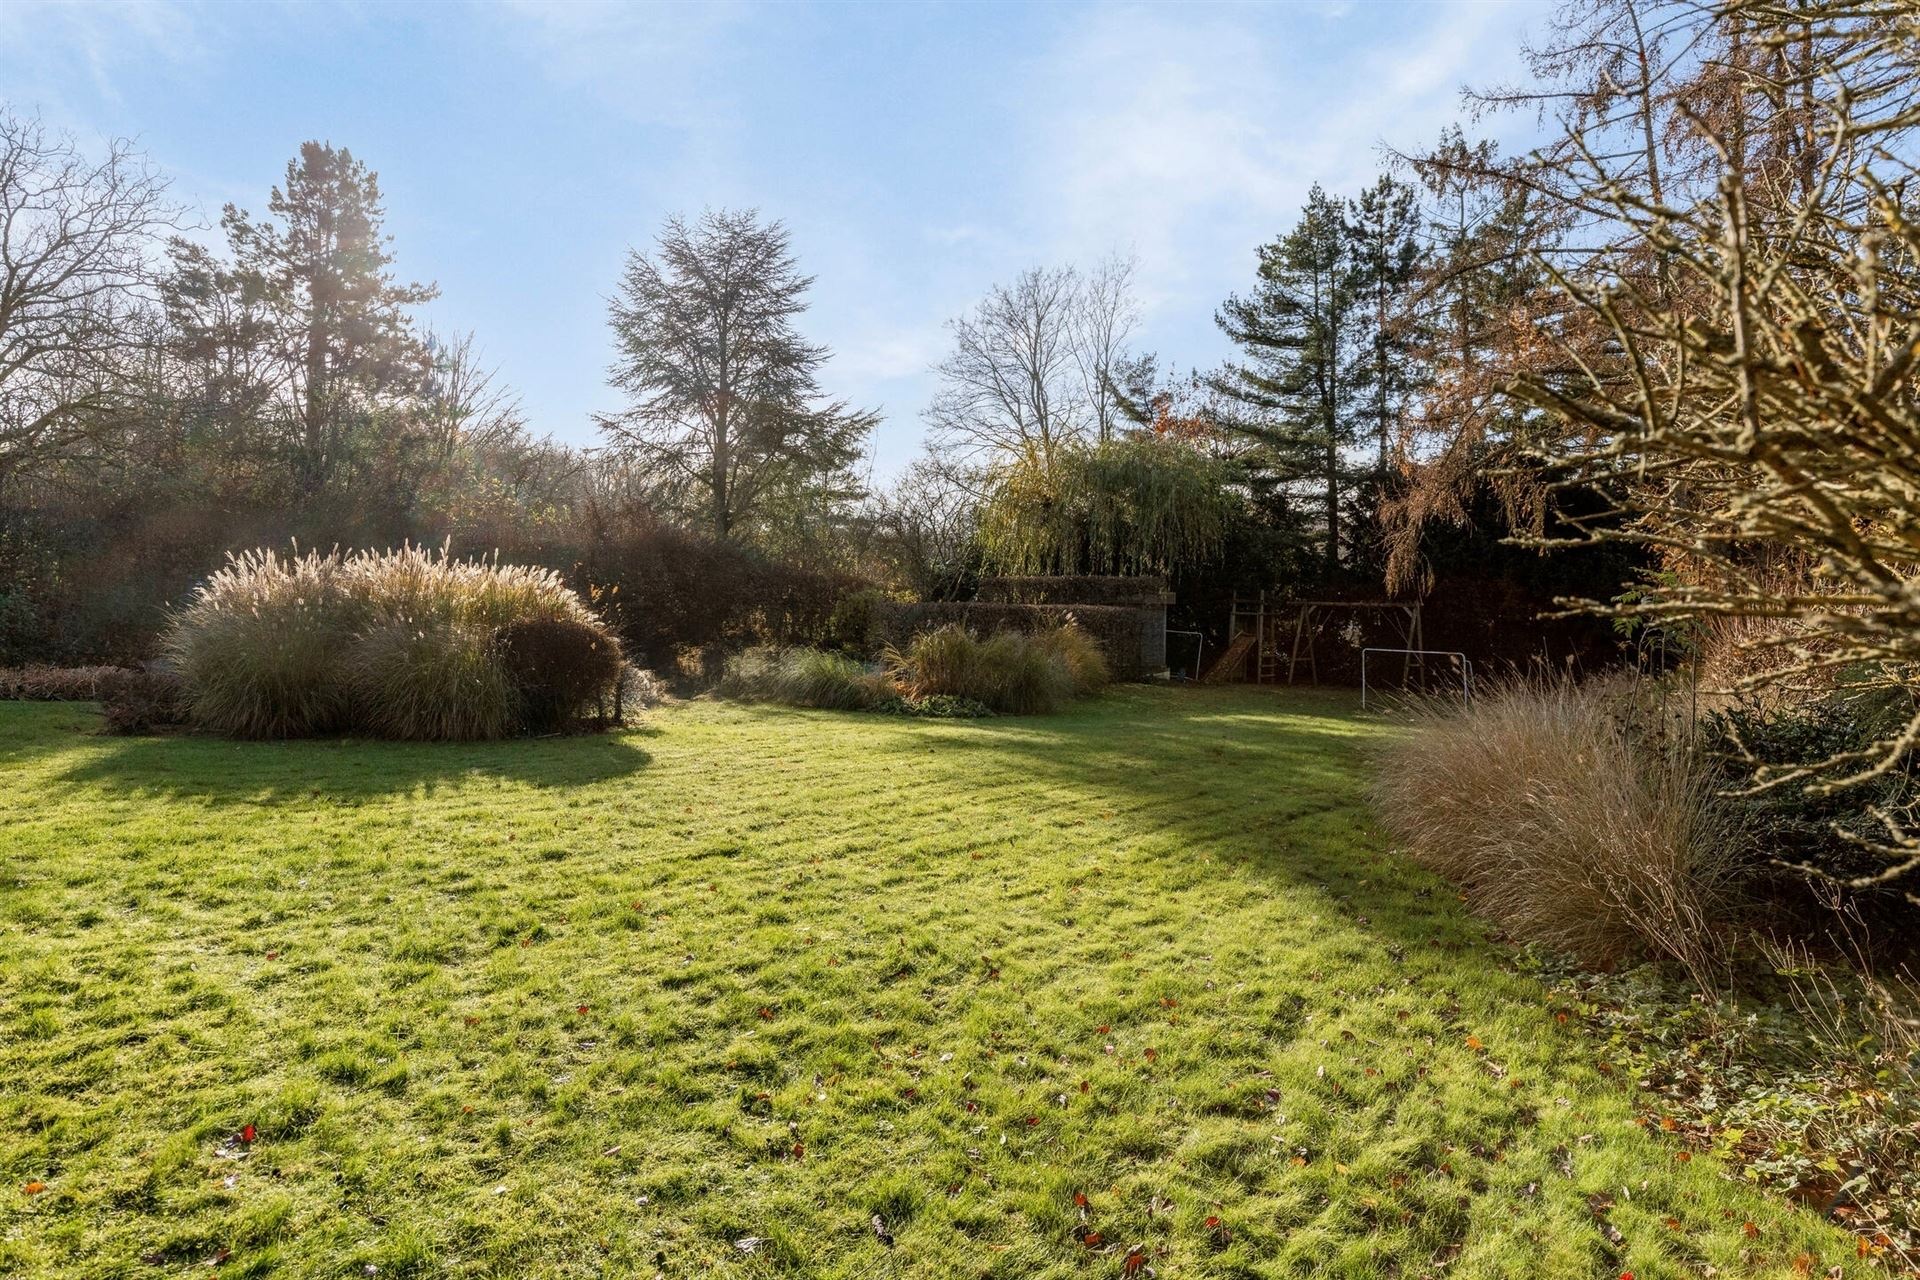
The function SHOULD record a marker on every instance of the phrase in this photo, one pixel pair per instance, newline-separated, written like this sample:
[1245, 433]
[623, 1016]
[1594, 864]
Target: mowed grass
[708, 997]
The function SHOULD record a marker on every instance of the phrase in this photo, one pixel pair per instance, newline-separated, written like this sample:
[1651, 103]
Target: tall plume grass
[803, 678]
[1009, 672]
[401, 643]
[1570, 816]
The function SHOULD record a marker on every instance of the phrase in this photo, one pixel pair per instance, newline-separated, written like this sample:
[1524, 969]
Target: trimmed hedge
[1081, 589]
[38, 682]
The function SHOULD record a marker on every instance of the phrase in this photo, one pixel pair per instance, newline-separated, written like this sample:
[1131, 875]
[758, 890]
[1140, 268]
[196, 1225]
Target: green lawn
[706, 997]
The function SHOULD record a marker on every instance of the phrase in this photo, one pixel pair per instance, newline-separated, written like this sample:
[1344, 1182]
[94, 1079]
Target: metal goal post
[1466, 668]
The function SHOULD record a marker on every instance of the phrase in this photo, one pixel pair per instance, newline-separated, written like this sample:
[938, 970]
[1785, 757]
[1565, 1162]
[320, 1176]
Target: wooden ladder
[1268, 668]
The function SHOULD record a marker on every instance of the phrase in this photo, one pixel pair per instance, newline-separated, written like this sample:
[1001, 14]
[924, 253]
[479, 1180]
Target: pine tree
[724, 395]
[330, 341]
[1293, 393]
[1383, 240]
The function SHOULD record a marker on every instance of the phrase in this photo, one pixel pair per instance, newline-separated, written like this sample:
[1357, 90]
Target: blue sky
[919, 152]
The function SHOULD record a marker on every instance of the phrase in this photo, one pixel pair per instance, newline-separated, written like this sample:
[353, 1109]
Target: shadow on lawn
[1276, 781]
[349, 770]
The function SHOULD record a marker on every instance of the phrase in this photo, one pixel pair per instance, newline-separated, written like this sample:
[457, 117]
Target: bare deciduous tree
[77, 240]
[463, 402]
[1036, 366]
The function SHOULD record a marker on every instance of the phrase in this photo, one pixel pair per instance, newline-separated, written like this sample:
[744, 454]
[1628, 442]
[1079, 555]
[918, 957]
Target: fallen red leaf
[248, 1133]
[1091, 1239]
[34, 1188]
[1080, 1199]
[1135, 1260]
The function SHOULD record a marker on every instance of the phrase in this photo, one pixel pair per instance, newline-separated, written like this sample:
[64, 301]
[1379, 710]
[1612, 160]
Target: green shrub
[802, 678]
[1821, 837]
[938, 707]
[560, 668]
[398, 643]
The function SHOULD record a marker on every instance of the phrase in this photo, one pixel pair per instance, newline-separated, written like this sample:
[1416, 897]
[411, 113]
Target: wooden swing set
[1261, 629]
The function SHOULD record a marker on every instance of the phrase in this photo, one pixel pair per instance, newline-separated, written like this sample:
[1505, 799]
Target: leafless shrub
[1756, 412]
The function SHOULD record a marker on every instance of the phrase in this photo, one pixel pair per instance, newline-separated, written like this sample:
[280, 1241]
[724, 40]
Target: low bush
[939, 707]
[141, 701]
[1008, 671]
[404, 644]
[1573, 818]
[803, 678]
[559, 667]
[38, 682]
[1823, 843]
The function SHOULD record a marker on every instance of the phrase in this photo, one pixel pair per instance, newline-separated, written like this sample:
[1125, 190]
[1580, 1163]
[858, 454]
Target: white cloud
[1194, 135]
[650, 62]
[86, 44]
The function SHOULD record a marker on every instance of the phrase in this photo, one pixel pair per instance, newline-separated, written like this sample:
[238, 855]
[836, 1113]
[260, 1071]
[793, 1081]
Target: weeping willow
[1129, 506]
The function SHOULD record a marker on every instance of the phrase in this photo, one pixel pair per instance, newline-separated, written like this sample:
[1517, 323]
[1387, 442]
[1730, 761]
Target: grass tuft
[1570, 821]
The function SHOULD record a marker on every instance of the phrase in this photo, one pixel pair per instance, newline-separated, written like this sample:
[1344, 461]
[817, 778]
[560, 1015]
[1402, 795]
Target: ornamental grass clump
[260, 649]
[1080, 653]
[1573, 817]
[803, 678]
[1008, 672]
[403, 644]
